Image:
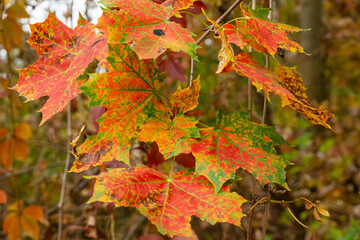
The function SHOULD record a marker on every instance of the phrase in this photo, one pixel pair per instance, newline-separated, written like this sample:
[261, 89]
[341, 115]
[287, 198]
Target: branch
[63, 180]
[219, 20]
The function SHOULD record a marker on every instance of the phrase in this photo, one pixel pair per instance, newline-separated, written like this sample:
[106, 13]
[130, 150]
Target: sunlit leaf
[64, 54]
[126, 91]
[168, 202]
[170, 134]
[148, 25]
[261, 33]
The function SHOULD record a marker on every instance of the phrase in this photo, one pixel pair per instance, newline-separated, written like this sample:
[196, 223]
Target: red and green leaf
[64, 54]
[127, 91]
[234, 143]
[168, 202]
[146, 26]
[260, 33]
[170, 134]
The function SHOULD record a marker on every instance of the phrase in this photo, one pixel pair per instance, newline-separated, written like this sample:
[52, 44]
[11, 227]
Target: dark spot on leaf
[280, 52]
[159, 32]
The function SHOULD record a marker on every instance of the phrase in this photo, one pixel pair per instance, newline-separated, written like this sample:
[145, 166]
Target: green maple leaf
[234, 143]
[129, 90]
[168, 202]
[64, 54]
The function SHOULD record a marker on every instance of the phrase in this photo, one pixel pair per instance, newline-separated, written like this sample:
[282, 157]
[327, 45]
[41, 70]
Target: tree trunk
[312, 68]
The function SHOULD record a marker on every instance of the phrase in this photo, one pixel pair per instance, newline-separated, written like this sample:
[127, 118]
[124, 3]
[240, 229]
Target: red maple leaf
[64, 55]
[260, 33]
[168, 202]
[146, 26]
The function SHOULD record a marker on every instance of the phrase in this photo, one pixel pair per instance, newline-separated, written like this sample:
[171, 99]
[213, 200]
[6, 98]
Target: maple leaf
[285, 82]
[148, 25]
[64, 54]
[168, 202]
[260, 33]
[128, 91]
[234, 143]
[241, 35]
[171, 134]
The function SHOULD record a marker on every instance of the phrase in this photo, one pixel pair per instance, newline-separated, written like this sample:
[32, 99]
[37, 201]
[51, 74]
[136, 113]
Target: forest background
[326, 164]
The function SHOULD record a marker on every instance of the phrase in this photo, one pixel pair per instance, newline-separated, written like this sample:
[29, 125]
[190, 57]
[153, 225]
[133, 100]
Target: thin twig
[250, 87]
[219, 20]
[134, 227]
[270, 186]
[251, 213]
[63, 180]
[29, 170]
[266, 213]
[267, 67]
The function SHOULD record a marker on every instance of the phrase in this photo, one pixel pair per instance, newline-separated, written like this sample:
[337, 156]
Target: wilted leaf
[168, 202]
[184, 100]
[148, 25]
[323, 211]
[226, 53]
[316, 215]
[64, 56]
[285, 82]
[234, 143]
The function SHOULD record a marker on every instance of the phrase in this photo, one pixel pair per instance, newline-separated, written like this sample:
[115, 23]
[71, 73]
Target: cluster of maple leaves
[133, 34]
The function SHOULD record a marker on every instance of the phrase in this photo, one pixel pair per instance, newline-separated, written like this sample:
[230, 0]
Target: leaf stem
[265, 107]
[172, 167]
[208, 27]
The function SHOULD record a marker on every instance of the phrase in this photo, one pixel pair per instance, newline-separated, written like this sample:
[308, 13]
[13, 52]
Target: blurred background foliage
[326, 164]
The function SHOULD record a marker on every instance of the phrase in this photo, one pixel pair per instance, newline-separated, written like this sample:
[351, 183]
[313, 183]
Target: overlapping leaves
[284, 82]
[234, 143]
[168, 202]
[64, 55]
[148, 25]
